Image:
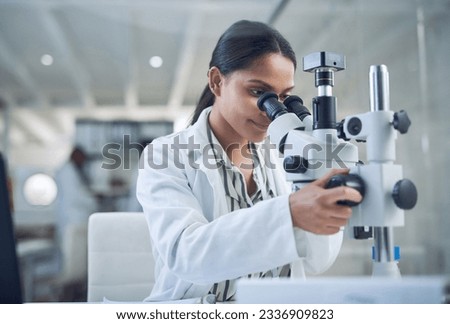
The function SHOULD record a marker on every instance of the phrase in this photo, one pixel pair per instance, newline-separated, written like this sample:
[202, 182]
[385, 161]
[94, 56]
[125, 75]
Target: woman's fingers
[317, 210]
[341, 193]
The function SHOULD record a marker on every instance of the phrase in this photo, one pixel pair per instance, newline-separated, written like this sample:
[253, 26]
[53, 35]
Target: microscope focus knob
[404, 194]
[401, 121]
[350, 180]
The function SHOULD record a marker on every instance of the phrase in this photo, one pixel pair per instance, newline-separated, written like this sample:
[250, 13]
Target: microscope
[313, 144]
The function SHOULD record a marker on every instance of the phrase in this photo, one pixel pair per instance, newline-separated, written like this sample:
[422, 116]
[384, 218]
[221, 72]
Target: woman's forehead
[274, 68]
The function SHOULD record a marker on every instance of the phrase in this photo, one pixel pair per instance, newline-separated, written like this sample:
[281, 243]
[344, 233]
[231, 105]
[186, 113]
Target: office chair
[120, 259]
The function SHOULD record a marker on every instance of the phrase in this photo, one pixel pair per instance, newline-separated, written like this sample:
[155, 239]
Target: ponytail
[206, 100]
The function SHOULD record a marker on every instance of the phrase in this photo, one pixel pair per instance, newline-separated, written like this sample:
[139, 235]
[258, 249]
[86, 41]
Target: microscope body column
[378, 210]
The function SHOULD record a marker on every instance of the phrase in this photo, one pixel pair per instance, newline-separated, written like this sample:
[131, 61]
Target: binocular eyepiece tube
[270, 104]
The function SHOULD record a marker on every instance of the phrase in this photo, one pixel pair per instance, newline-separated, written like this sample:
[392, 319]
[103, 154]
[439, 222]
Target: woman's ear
[215, 80]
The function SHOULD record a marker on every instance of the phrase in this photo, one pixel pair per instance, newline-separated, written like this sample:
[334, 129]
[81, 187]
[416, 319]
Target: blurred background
[108, 76]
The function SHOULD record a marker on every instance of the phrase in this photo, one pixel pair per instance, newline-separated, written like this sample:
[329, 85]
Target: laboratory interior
[92, 82]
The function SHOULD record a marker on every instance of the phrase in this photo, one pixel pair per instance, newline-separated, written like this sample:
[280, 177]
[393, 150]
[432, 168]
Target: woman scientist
[216, 210]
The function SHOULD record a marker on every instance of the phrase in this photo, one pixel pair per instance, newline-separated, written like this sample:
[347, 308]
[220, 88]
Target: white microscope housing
[312, 145]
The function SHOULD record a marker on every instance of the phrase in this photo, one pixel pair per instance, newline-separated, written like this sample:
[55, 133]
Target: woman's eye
[257, 92]
[283, 97]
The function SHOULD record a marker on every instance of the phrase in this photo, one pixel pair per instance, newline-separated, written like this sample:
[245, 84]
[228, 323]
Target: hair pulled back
[238, 48]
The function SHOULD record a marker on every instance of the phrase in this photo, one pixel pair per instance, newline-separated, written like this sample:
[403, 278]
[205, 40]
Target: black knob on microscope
[401, 121]
[404, 194]
[350, 180]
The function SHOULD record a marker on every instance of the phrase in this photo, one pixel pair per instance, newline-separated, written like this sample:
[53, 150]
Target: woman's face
[236, 103]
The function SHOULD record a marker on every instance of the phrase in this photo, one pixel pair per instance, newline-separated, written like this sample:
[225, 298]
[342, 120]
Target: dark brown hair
[238, 48]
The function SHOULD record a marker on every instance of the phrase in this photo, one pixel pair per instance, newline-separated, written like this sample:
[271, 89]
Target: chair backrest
[120, 259]
[74, 254]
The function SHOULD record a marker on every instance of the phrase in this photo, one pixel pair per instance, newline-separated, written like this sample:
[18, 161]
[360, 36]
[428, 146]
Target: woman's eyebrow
[268, 86]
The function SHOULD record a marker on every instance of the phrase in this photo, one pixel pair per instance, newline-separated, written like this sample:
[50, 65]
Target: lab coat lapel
[214, 180]
[271, 162]
[219, 205]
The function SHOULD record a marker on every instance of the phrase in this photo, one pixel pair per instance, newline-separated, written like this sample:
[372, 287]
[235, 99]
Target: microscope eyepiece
[292, 98]
[269, 103]
[294, 104]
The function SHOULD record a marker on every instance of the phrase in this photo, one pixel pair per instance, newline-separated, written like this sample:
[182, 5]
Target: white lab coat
[196, 241]
[75, 201]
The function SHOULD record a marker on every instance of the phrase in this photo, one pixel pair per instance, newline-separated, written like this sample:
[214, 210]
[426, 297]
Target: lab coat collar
[267, 154]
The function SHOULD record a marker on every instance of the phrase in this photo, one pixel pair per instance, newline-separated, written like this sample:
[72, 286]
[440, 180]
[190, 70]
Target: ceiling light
[47, 60]
[156, 61]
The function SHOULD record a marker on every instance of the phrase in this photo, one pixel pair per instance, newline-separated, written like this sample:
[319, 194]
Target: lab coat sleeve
[200, 251]
[318, 252]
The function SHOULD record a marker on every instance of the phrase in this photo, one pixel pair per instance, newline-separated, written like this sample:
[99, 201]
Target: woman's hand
[315, 209]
